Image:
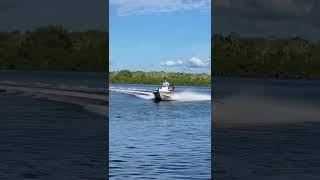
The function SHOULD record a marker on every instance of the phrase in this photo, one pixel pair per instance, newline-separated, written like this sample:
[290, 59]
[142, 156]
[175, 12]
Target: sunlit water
[42, 139]
[266, 129]
[165, 140]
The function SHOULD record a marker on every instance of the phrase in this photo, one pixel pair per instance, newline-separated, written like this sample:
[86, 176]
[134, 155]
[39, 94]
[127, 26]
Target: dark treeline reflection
[54, 48]
[236, 55]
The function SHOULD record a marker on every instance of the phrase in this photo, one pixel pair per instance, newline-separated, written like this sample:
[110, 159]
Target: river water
[263, 129]
[51, 139]
[165, 140]
[266, 129]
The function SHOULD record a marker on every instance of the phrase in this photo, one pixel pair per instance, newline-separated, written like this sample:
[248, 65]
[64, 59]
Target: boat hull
[162, 96]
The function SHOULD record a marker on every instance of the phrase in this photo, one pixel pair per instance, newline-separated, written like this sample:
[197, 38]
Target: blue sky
[170, 35]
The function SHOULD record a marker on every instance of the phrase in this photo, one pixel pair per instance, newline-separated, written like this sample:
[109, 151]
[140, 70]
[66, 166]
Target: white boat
[164, 93]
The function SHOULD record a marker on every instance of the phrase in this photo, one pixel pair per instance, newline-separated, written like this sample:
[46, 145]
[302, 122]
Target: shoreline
[213, 76]
[135, 83]
[156, 77]
[265, 77]
[51, 71]
[157, 85]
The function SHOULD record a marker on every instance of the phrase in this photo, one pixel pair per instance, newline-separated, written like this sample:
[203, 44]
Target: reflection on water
[166, 140]
[267, 129]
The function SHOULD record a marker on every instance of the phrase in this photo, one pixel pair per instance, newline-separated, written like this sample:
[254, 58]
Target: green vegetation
[54, 48]
[139, 77]
[234, 55]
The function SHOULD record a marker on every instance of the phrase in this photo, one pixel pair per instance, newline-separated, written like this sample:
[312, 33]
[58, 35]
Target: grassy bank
[234, 55]
[54, 48]
[139, 77]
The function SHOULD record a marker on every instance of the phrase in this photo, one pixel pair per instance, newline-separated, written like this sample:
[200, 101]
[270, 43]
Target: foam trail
[91, 99]
[191, 96]
[136, 92]
[248, 111]
[178, 96]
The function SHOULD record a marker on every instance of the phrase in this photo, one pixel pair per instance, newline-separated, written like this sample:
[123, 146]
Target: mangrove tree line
[234, 55]
[54, 48]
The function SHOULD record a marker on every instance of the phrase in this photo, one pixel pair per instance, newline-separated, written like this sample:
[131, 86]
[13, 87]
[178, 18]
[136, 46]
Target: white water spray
[191, 96]
[177, 96]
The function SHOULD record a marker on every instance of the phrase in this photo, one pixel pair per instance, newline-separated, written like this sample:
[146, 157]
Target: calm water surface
[41, 139]
[267, 129]
[166, 140]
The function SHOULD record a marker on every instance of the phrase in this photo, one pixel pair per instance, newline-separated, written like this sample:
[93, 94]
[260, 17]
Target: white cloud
[130, 7]
[172, 63]
[193, 62]
[196, 63]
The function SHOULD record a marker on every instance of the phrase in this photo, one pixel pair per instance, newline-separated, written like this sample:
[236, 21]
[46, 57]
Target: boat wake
[144, 94]
[92, 99]
[177, 96]
[250, 111]
[191, 96]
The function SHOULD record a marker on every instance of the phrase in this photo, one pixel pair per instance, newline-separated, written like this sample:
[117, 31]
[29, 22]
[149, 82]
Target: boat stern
[157, 95]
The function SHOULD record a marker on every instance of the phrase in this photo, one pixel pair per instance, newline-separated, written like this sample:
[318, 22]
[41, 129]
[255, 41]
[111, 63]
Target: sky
[72, 14]
[160, 35]
[268, 18]
[172, 35]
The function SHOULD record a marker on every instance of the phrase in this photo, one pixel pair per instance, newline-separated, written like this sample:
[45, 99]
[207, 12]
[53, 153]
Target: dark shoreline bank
[52, 71]
[158, 84]
[214, 76]
[265, 77]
